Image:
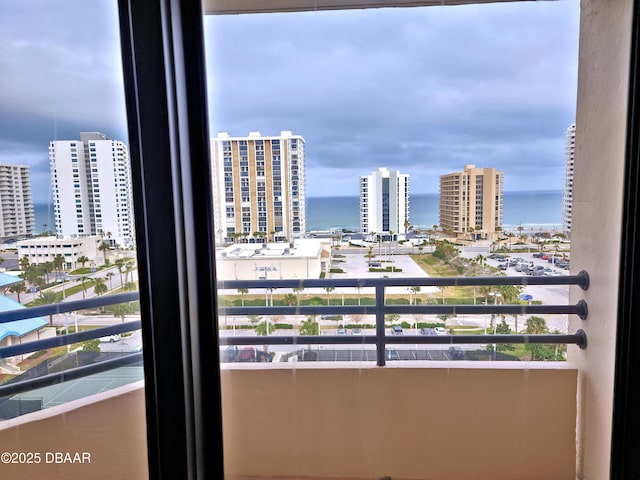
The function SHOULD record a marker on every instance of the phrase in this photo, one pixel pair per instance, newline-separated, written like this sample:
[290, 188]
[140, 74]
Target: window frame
[164, 67]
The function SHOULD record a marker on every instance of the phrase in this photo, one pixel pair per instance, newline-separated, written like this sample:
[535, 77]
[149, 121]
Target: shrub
[91, 345]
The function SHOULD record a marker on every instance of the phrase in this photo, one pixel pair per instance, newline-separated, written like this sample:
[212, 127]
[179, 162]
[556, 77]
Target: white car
[110, 338]
[440, 331]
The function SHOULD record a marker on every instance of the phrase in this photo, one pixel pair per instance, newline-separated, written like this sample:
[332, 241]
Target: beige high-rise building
[259, 187]
[17, 218]
[471, 202]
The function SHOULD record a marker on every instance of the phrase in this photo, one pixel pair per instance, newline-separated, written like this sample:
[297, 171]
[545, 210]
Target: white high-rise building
[17, 217]
[91, 180]
[567, 197]
[259, 187]
[384, 203]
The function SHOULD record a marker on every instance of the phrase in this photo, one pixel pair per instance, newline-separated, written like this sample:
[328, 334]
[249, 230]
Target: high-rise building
[384, 203]
[91, 180]
[471, 202]
[17, 217]
[567, 197]
[259, 187]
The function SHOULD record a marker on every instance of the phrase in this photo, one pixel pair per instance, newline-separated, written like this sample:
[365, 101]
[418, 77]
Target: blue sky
[421, 90]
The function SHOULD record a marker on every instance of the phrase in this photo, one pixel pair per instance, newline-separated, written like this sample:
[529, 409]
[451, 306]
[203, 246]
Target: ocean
[532, 210]
[43, 213]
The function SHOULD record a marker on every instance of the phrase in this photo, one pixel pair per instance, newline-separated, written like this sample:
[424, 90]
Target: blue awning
[6, 279]
[18, 328]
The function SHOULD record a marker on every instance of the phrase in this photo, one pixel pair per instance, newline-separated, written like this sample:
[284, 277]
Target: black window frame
[164, 71]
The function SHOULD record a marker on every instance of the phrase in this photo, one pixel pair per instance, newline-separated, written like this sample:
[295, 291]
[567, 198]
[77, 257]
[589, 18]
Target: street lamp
[495, 296]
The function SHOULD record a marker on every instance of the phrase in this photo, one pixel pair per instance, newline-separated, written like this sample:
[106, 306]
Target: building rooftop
[300, 248]
[18, 328]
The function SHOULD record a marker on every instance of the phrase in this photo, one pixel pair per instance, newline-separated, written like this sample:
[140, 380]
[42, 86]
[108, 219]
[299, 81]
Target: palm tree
[18, 288]
[47, 298]
[329, 290]
[413, 290]
[370, 255]
[441, 288]
[100, 288]
[297, 291]
[509, 293]
[46, 268]
[129, 286]
[84, 279]
[128, 268]
[110, 276]
[24, 263]
[103, 247]
[309, 327]
[535, 326]
[289, 299]
[82, 259]
[120, 264]
[58, 262]
[242, 292]
[122, 309]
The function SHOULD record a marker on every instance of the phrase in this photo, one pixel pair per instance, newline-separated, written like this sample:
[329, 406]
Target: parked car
[342, 331]
[375, 264]
[456, 353]
[440, 331]
[396, 330]
[356, 331]
[392, 354]
[251, 354]
[110, 338]
[427, 331]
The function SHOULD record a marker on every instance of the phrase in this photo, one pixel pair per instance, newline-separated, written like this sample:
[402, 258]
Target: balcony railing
[381, 308]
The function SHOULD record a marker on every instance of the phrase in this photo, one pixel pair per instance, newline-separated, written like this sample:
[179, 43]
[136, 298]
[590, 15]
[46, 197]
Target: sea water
[531, 210]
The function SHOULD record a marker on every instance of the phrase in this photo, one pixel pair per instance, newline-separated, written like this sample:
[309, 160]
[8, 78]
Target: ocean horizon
[539, 209]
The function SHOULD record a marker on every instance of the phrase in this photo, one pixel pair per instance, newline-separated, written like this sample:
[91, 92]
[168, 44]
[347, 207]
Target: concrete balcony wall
[410, 420]
[110, 427]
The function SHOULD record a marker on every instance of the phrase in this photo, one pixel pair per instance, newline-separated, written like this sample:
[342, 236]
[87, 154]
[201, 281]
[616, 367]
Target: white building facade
[301, 259]
[91, 182]
[44, 249]
[569, 160]
[17, 218]
[384, 203]
[259, 187]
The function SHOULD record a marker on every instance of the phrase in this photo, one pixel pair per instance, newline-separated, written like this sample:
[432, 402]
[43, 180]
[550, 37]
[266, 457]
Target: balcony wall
[110, 426]
[410, 420]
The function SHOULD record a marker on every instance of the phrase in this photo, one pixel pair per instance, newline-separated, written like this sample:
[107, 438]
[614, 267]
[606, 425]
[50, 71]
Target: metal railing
[381, 308]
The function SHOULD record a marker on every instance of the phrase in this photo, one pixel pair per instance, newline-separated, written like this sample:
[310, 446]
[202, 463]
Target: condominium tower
[259, 187]
[91, 180]
[567, 197]
[471, 202]
[16, 205]
[384, 203]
